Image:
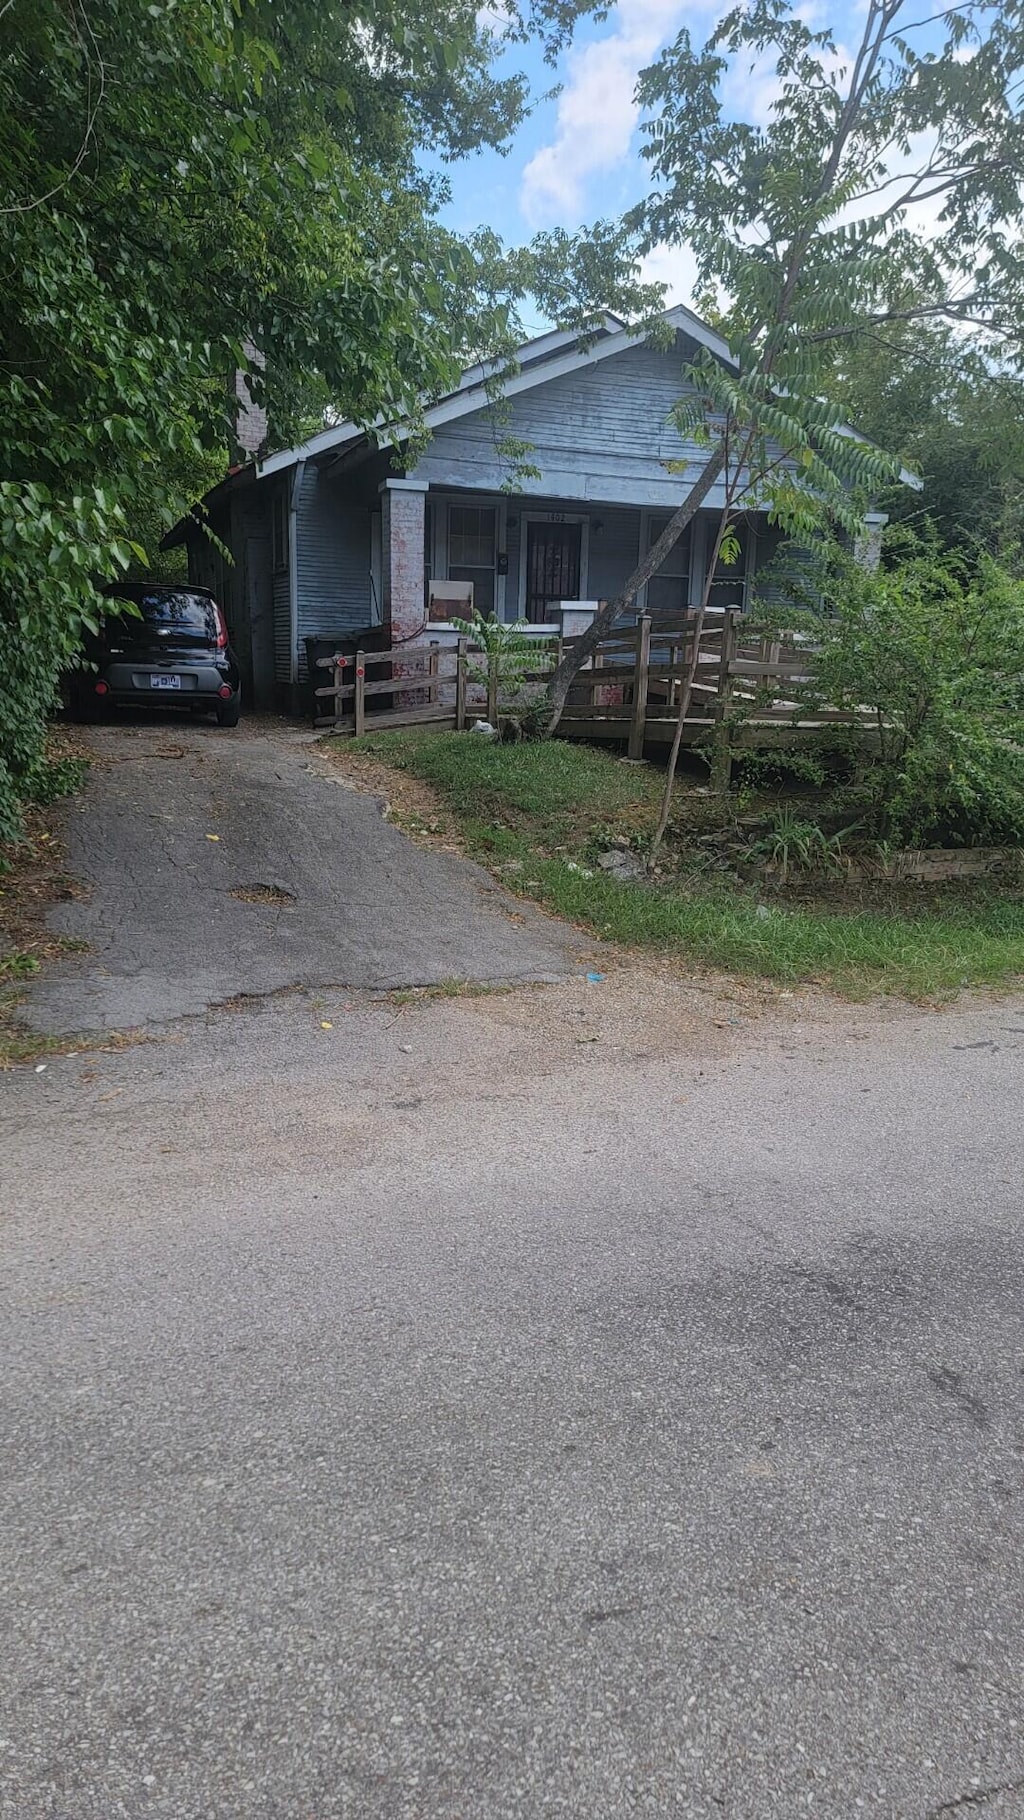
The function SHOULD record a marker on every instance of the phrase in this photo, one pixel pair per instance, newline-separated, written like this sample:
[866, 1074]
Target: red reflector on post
[224, 691]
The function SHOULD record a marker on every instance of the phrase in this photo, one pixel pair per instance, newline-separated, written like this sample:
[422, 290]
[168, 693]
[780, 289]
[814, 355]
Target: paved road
[591, 1402]
[178, 816]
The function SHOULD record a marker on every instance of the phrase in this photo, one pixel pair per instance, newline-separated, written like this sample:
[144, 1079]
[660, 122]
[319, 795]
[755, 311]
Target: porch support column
[867, 548]
[403, 531]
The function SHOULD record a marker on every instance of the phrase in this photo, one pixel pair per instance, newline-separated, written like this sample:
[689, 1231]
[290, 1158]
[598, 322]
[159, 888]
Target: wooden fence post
[492, 691]
[360, 695]
[433, 672]
[721, 749]
[460, 686]
[638, 724]
[339, 679]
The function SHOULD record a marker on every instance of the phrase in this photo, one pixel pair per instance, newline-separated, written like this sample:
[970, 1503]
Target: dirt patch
[629, 1006]
[34, 876]
[638, 1011]
[408, 803]
[33, 879]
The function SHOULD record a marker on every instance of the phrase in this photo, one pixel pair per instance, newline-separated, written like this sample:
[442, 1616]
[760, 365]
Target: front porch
[541, 560]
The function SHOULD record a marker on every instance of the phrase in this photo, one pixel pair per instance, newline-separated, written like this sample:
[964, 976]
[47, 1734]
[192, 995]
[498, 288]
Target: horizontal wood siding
[614, 552]
[600, 434]
[333, 561]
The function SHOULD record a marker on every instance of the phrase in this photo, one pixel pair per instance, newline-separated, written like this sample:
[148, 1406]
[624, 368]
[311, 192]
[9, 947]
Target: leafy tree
[933, 395]
[176, 178]
[804, 229]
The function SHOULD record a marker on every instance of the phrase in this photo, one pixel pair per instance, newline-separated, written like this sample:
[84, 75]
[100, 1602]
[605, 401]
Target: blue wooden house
[338, 535]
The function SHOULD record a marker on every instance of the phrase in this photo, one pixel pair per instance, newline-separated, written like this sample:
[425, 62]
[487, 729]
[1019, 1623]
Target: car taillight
[222, 631]
[101, 687]
[224, 691]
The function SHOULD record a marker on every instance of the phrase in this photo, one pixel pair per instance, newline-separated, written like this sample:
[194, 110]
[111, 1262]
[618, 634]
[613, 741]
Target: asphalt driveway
[223, 863]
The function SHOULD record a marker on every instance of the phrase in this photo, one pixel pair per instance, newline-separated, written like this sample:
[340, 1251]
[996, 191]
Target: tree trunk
[572, 663]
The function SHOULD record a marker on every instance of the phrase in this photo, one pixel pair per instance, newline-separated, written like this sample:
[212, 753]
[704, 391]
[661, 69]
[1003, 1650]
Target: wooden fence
[422, 685]
[747, 690]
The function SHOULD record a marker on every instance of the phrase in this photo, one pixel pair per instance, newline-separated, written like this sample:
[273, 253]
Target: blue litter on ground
[594, 977]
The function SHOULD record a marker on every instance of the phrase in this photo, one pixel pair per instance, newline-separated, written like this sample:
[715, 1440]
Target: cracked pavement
[178, 815]
[598, 1400]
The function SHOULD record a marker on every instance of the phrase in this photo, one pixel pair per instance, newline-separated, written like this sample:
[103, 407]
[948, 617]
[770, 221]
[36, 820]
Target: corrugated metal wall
[282, 628]
[333, 560]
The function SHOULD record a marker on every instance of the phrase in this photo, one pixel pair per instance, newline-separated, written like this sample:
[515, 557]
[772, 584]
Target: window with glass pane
[669, 590]
[471, 550]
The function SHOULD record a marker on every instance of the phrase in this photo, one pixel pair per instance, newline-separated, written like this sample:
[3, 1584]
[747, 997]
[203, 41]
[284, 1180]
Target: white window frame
[549, 518]
[439, 567]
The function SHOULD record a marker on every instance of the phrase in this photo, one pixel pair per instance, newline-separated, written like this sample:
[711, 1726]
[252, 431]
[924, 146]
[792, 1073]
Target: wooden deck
[747, 691]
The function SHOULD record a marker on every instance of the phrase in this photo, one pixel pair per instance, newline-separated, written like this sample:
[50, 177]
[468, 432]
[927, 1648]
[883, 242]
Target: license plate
[165, 682]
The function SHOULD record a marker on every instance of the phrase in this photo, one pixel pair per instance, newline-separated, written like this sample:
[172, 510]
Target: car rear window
[177, 609]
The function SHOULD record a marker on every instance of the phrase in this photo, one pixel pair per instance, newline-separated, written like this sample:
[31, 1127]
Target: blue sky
[576, 159]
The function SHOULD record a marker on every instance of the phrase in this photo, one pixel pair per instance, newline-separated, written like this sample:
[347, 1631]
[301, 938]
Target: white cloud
[596, 111]
[674, 267]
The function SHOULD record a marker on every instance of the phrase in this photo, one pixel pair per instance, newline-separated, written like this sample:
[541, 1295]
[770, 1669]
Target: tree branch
[584, 647]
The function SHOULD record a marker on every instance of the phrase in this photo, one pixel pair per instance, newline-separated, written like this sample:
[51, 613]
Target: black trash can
[346, 644]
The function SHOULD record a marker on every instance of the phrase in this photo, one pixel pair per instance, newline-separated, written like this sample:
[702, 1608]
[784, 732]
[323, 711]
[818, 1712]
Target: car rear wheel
[228, 712]
[85, 707]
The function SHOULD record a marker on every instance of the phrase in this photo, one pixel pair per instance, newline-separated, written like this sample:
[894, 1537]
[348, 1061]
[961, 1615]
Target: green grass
[529, 811]
[557, 789]
[17, 966]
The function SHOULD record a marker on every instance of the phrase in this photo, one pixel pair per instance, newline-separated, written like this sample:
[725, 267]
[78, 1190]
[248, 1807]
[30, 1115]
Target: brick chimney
[250, 418]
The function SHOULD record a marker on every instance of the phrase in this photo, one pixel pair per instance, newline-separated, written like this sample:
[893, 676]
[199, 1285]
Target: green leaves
[802, 223]
[934, 644]
[178, 180]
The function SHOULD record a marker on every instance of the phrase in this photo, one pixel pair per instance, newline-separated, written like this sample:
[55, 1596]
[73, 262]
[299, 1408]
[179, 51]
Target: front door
[552, 566]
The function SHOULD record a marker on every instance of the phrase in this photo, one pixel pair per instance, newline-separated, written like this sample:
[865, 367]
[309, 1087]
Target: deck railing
[421, 685]
[744, 688]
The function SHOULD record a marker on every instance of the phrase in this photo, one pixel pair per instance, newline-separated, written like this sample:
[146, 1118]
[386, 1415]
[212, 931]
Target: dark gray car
[168, 648]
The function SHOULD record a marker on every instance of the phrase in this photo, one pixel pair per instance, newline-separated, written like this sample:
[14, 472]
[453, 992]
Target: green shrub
[509, 657]
[794, 844]
[54, 778]
[934, 646]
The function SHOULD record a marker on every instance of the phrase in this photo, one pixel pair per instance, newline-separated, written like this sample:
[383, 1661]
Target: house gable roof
[549, 357]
